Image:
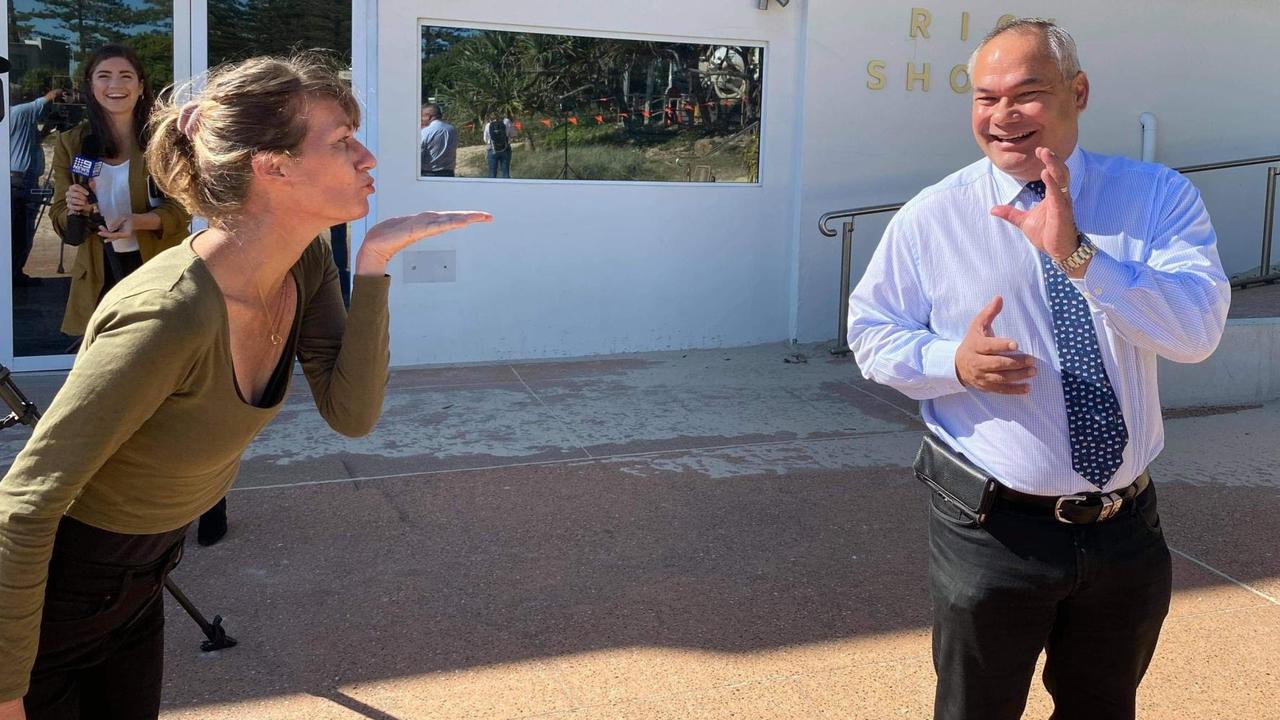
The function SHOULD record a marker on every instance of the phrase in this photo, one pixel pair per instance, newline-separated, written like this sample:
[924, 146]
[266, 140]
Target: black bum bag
[954, 477]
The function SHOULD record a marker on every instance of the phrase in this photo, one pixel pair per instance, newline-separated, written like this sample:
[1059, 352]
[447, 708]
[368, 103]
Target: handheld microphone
[83, 170]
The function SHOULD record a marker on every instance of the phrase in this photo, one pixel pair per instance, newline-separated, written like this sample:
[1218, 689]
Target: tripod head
[24, 411]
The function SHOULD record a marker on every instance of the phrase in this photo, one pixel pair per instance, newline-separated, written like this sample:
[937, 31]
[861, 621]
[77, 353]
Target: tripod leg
[218, 637]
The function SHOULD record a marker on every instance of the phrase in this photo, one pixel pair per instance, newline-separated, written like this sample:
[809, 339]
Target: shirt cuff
[1104, 281]
[940, 367]
[370, 288]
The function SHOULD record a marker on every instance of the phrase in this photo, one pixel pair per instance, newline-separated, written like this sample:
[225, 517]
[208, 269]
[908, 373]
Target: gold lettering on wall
[913, 76]
[920, 19]
[875, 71]
[919, 73]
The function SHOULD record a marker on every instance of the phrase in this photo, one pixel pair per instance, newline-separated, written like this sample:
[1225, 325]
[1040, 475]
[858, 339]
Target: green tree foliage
[87, 24]
[18, 30]
[155, 49]
[35, 82]
[239, 29]
[476, 73]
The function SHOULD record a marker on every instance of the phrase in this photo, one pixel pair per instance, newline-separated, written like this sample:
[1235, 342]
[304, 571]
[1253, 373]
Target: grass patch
[590, 162]
[612, 153]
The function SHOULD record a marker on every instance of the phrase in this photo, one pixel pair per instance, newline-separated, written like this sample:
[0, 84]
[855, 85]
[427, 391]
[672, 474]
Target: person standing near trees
[438, 143]
[498, 134]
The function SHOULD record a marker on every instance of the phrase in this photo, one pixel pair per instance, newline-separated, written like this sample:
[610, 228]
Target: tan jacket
[87, 273]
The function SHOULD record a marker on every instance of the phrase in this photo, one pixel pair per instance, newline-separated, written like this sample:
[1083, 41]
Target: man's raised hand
[1050, 226]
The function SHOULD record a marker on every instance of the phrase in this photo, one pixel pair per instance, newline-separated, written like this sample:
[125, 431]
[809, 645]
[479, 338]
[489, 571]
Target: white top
[114, 202]
[1156, 289]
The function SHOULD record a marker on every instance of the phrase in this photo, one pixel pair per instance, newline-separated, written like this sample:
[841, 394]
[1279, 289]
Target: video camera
[64, 115]
[69, 110]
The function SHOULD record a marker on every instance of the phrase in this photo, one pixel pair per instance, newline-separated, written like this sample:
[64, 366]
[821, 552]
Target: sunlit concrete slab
[649, 586]
[704, 534]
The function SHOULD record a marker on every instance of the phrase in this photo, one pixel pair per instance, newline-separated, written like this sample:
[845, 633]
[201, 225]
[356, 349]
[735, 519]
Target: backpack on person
[498, 136]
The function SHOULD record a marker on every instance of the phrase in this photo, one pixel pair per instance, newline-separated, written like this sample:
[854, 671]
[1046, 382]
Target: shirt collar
[1008, 188]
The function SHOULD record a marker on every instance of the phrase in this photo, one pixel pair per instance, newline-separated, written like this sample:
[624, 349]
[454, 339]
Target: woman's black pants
[101, 653]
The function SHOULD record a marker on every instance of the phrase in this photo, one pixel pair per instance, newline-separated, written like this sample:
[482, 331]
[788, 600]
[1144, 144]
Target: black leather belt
[1082, 509]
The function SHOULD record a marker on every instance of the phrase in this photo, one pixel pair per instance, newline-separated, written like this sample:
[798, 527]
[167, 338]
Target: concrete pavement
[703, 534]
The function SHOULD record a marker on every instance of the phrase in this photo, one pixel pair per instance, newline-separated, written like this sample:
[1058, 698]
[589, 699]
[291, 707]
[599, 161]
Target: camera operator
[183, 363]
[137, 222]
[26, 166]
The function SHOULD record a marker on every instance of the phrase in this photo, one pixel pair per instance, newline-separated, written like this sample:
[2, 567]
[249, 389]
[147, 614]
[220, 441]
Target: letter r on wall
[920, 19]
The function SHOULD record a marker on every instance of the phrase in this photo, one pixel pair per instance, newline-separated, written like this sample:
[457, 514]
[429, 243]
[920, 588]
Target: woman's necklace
[274, 319]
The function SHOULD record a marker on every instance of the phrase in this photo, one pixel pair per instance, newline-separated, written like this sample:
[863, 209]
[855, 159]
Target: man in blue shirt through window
[438, 143]
[26, 166]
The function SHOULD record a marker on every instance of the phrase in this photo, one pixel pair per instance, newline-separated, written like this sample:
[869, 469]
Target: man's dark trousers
[1092, 596]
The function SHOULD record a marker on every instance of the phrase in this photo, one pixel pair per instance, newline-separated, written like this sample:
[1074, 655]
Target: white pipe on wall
[1148, 122]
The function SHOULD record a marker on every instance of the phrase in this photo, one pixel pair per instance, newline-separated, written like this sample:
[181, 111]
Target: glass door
[47, 42]
[46, 97]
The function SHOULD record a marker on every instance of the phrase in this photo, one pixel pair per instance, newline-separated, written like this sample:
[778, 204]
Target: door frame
[190, 50]
[190, 58]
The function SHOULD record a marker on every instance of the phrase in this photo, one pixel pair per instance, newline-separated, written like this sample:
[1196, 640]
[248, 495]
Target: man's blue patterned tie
[1094, 420]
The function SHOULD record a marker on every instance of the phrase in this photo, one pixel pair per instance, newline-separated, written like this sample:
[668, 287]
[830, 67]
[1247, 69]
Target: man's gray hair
[434, 109]
[1058, 43]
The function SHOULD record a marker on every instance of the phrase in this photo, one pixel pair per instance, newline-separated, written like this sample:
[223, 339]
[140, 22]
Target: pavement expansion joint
[1225, 576]
[553, 413]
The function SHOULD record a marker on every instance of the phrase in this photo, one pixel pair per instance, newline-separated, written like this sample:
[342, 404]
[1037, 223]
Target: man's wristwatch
[1081, 256]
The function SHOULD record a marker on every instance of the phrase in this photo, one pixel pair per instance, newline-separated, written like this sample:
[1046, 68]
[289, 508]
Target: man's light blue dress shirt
[1155, 288]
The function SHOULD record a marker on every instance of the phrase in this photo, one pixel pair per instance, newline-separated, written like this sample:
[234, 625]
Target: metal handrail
[853, 213]
[849, 215]
[1228, 164]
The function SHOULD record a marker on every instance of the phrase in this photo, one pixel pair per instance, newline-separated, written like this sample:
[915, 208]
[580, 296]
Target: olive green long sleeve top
[148, 430]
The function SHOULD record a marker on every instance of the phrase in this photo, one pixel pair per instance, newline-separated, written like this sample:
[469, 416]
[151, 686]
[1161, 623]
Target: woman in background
[139, 221]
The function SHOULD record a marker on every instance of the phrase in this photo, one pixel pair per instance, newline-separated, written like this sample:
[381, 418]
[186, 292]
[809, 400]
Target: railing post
[846, 266]
[1268, 222]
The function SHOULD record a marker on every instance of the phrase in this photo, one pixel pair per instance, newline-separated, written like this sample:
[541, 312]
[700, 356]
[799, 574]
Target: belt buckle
[1111, 503]
[1057, 507]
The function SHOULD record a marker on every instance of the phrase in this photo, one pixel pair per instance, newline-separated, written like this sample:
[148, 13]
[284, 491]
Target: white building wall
[1202, 68]
[578, 268]
[574, 268]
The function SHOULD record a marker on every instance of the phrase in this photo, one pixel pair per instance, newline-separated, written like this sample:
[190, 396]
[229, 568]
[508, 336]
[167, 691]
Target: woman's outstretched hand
[389, 237]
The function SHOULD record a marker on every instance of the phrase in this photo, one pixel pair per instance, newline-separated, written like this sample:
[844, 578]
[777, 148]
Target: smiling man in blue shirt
[1024, 301]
